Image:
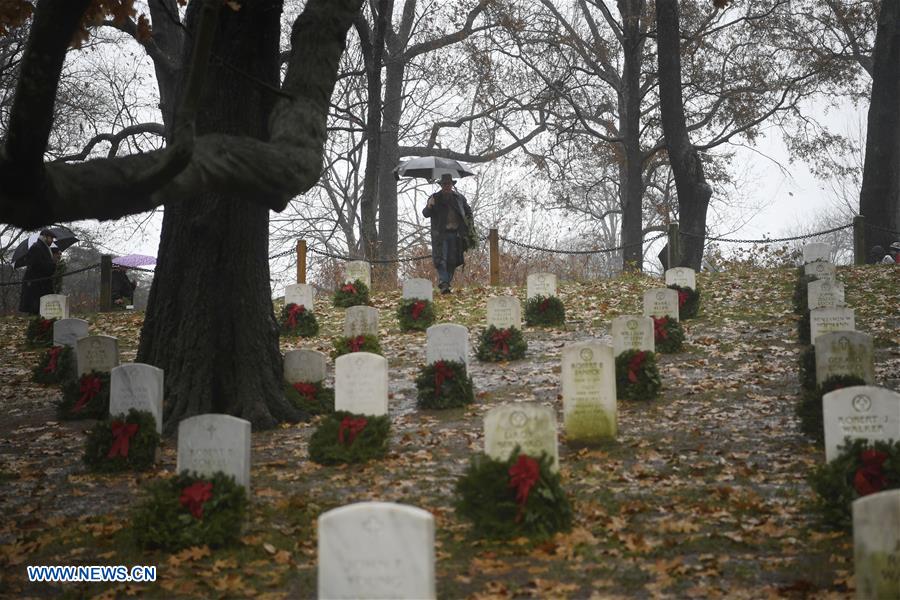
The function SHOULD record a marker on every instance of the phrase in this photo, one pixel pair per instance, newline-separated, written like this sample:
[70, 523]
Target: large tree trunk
[209, 322]
[390, 156]
[693, 191]
[879, 197]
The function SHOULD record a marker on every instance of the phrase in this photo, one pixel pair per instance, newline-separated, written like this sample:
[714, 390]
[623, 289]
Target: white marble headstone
[376, 550]
[96, 353]
[67, 331]
[661, 302]
[824, 294]
[447, 341]
[826, 320]
[816, 251]
[301, 294]
[859, 412]
[361, 320]
[633, 332]
[589, 392]
[420, 289]
[541, 284]
[212, 442]
[54, 306]
[304, 365]
[821, 270]
[876, 545]
[504, 312]
[684, 277]
[530, 426]
[358, 269]
[361, 384]
[138, 386]
[844, 353]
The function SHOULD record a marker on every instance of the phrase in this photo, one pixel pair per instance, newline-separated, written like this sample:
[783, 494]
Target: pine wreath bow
[122, 434]
[545, 304]
[869, 478]
[306, 390]
[90, 387]
[682, 298]
[352, 427]
[54, 353]
[500, 340]
[293, 312]
[441, 373]
[349, 288]
[659, 327]
[417, 309]
[194, 496]
[523, 476]
[634, 366]
[46, 324]
[356, 343]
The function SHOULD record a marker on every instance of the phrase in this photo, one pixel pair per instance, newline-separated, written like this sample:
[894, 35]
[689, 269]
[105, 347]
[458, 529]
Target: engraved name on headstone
[589, 392]
[420, 289]
[301, 294]
[96, 353]
[530, 426]
[844, 353]
[541, 284]
[212, 442]
[859, 412]
[361, 384]
[661, 302]
[304, 365]
[826, 320]
[447, 341]
[682, 277]
[54, 306]
[358, 269]
[632, 332]
[138, 386]
[67, 331]
[504, 312]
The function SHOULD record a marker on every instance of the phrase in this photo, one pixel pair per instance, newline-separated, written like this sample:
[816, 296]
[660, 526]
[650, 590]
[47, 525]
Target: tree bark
[390, 157]
[879, 197]
[690, 182]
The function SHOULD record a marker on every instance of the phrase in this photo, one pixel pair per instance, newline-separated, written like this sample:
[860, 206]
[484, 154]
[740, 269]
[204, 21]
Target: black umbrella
[64, 239]
[431, 168]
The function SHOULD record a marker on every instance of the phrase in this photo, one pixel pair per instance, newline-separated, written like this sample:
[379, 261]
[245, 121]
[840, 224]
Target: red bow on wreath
[682, 298]
[441, 373]
[353, 427]
[501, 340]
[634, 365]
[869, 478]
[522, 476]
[45, 325]
[293, 311]
[545, 305]
[349, 288]
[417, 309]
[194, 496]
[306, 390]
[356, 343]
[122, 434]
[90, 387]
[659, 327]
[54, 353]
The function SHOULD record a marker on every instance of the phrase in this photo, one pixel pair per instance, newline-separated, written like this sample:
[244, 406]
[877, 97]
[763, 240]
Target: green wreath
[415, 314]
[297, 321]
[495, 345]
[637, 375]
[356, 343]
[861, 468]
[688, 301]
[56, 366]
[352, 294]
[444, 384]
[809, 409]
[668, 334]
[86, 397]
[310, 398]
[545, 310]
[39, 333]
[807, 369]
[803, 328]
[519, 496]
[349, 438]
[189, 510]
[122, 443]
[800, 299]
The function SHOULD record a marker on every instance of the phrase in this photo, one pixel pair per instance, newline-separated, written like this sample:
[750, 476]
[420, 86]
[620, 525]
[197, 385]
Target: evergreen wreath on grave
[190, 510]
[519, 496]
[495, 345]
[356, 343]
[803, 328]
[807, 368]
[56, 365]
[85, 397]
[39, 333]
[637, 375]
[809, 410]
[800, 299]
[862, 468]
[444, 384]
[545, 310]
[122, 443]
[296, 321]
[415, 314]
[310, 398]
[345, 437]
[668, 334]
[355, 293]
[688, 301]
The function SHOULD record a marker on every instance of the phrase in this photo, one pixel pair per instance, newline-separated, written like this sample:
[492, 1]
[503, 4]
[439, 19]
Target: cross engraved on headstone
[372, 525]
[211, 429]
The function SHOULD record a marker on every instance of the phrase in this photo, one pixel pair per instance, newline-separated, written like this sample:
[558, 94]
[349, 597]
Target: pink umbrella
[134, 260]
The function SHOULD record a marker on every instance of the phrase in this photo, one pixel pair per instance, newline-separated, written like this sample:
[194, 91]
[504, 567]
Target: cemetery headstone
[844, 353]
[826, 320]
[96, 353]
[304, 365]
[541, 284]
[358, 269]
[54, 306]
[67, 331]
[817, 251]
[361, 384]
[876, 545]
[361, 320]
[212, 442]
[377, 550]
[589, 392]
[632, 332]
[530, 426]
[825, 294]
[859, 412]
[504, 312]
[447, 341]
[661, 302]
[684, 277]
[822, 270]
[138, 386]
[301, 294]
[419, 289]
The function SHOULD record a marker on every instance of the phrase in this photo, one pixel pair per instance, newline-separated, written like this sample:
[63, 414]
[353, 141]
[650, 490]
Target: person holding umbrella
[39, 270]
[449, 213]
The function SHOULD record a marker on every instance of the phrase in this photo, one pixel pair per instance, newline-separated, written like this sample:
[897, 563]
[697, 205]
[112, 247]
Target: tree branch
[115, 139]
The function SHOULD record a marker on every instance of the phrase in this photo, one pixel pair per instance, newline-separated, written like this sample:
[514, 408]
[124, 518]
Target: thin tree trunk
[390, 156]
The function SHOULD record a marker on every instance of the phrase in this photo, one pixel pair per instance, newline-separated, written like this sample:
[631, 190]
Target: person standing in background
[449, 213]
[38, 280]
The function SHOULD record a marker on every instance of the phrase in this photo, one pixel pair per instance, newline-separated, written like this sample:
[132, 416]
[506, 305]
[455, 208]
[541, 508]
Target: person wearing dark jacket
[449, 213]
[122, 287]
[39, 270]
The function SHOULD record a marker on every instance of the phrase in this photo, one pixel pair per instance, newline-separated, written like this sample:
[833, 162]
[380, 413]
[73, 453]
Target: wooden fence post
[673, 250]
[301, 261]
[106, 283]
[859, 240]
[494, 240]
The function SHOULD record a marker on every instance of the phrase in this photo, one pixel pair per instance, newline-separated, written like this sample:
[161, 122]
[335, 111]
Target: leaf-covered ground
[703, 495]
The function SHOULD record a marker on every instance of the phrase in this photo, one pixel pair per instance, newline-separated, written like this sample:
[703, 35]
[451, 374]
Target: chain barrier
[767, 240]
[374, 261]
[581, 252]
[66, 274]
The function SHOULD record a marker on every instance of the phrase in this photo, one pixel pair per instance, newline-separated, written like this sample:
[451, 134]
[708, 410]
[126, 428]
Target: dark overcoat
[438, 215]
[37, 282]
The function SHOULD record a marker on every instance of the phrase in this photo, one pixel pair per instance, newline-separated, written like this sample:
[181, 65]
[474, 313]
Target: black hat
[48, 232]
[447, 177]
